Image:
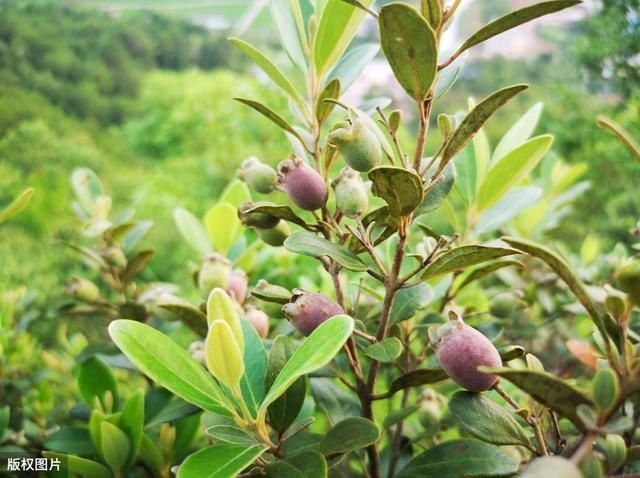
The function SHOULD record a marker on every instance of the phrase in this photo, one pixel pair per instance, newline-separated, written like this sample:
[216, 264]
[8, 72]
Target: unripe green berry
[303, 184]
[351, 194]
[275, 236]
[307, 310]
[628, 277]
[214, 272]
[83, 289]
[258, 220]
[260, 177]
[551, 466]
[358, 145]
[429, 413]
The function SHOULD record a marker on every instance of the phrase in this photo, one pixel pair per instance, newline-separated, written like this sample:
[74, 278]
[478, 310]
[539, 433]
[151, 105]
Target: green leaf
[353, 63]
[115, 447]
[255, 367]
[563, 270]
[436, 193]
[400, 188]
[236, 193]
[463, 257]
[223, 355]
[511, 352]
[151, 455]
[219, 461]
[168, 364]
[284, 410]
[305, 464]
[191, 316]
[17, 205]
[513, 19]
[547, 389]
[511, 169]
[230, 434]
[422, 376]
[192, 231]
[337, 26]
[81, 466]
[330, 92]
[619, 132]
[475, 119]
[483, 271]
[134, 235]
[73, 440]
[220, 306]
[432, 11]
[315, 352]
[508, 207]
[520, 132]
[482, 418]
[348, 435]
[96, 380]
[282, 212]
[290, 31]
[87, 187]
[386, 351]
[461, 458]
[273, 116]
[132, 423]
[411, 48]
[136, 264]
[315, 246]
[223, 226]
[269, 68]
[409, 301]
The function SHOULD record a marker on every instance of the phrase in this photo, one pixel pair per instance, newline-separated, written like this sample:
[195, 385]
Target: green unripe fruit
[358, 145]
[214, 272]
[429, 413]
[394, 120]
[258, 220]
[258, 176]
[628, 277]
[551, 466]
[605, 388]
[351, 194]
[275, 236]
[114, 256]
[83, 289]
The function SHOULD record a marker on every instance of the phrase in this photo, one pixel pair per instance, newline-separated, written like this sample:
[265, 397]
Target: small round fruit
[358, 145]
[276, 235]
[303, 184]
[351, 194]
[461, 350]
[260, 177]
[83, 289]
[237, 285]
[628, 277]
[307, 310]
[259, 320]
[214, 272]
[551, 466]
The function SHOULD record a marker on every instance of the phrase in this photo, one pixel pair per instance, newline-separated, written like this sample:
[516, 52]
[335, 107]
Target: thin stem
[397, 436]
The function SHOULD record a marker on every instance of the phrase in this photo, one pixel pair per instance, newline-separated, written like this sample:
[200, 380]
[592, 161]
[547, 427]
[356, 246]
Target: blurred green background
[142, 92]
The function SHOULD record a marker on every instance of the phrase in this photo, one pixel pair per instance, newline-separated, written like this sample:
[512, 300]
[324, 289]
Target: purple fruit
[307, 310]
[237, 285]
[461, 350]
[303, 184]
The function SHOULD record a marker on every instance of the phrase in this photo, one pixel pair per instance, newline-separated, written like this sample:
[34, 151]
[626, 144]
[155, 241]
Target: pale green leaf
[223, 226]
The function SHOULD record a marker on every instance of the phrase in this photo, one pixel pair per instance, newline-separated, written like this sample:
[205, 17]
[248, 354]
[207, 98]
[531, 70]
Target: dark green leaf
[461, 458]
[386, 351]
[482, 418]
[115, 447]
[191, 316]
[80, 466]
[255, 367]
[399, 415]
[273, 116]
[315, 246]
[422, 376]
[550, 391]
[409, 301]
[306, 464]
[437, 192]
[96, 380]
[219, 461]
[230, 434]
[432, 11]
[513, 19]
[410, 45]
[463, 257]
[71, 440]
[132, 423]
[136, 264]
[350, 434]
[173, 411]
[400, 188]
[282, 212]
[619, 132]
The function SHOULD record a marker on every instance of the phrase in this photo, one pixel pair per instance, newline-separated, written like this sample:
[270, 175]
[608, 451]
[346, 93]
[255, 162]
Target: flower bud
[628, 277]
[259, 320]
[276, 235]
[430, 412]
[197, 351]
[83, 289]
[237, 285]
[358, 145]
[548, 466]
[394, 120]
[307, 310]
[114, 256]
[258, 176]
[214, 272]
[303, 184]
[259, 220]
[351, 195]
[461, 350]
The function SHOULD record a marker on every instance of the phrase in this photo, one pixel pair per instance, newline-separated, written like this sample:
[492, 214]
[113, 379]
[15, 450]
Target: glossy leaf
[410, 45]
[475, 119]
[462, 257]
[192, 231]
[352, 64]
[422, 376]
[547, 389]
[409, 301]
[230, 434]
[337, 26]
[519, 133]
[220, 306]
[620, 133]
[348, 435]
[513, 19]
[273, 116]
[73, 440]
[115, 447]
[306, 464]
[191, 316]
[223, 355]
[168, 364]
[482, 418]
[400, 188]
[132, 423]
[219, 461]
[223, 226]
[269, 68]
[81, 466]
[508, 207]
[458, 458]
[315, 352]
[255, 364]
[17, 205]
[315, 246]
[511, 169]
[95, 379]
[386, 351]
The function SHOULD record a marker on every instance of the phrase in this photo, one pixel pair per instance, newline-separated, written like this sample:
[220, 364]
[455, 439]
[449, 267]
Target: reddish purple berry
[303, 184]
[307, 310]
